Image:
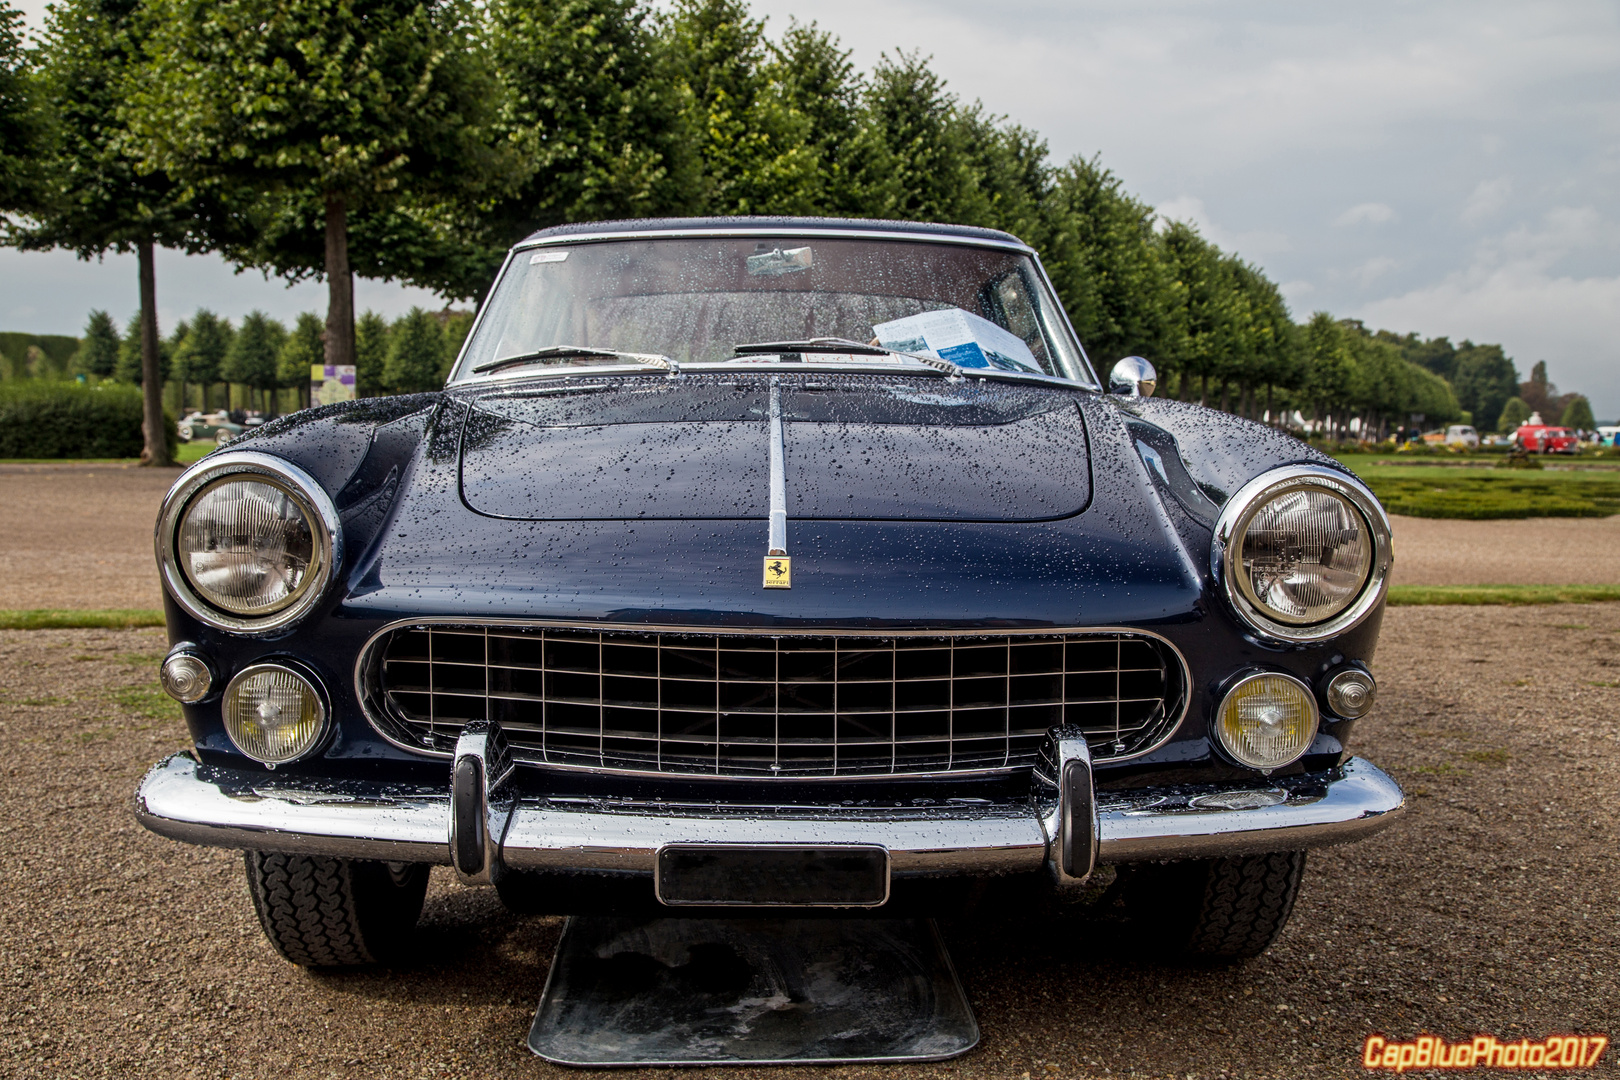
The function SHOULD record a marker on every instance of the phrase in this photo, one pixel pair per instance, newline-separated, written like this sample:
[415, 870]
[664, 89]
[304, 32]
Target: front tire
[1217, 909]
[322, 912]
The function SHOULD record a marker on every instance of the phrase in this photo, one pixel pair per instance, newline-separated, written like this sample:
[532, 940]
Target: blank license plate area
[773, 875]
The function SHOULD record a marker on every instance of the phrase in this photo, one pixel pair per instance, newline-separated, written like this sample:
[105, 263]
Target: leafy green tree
[370, 354]
[303, 349]
[24, 127]
[816, 79]
[457, 325]
[1329, 370]
[920, 168]
[286, 106]
[130, 366]
[200, 359]
[1579, 415]
[92, 196]
[1201, 319]
[585, 94]
[415, 353]
[254, 355]
[754, 149]
[1514, 413]
[98, 355]
[1484, 379]
[1109, 268]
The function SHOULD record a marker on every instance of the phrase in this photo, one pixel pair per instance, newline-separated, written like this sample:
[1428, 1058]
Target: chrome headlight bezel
[325, 530]
[1226, 550]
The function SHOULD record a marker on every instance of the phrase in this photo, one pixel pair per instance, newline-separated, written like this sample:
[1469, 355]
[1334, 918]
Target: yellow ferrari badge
[778, 572]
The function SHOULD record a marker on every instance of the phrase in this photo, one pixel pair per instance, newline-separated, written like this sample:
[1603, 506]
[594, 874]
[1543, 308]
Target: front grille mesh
[790, 705]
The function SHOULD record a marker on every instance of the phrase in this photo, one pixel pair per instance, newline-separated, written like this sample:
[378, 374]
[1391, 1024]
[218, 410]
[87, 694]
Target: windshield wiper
[562, 352]
[814, 345]
[844, 345]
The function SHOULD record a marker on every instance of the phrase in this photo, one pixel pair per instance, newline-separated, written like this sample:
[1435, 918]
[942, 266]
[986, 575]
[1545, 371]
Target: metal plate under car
[772, 875]
[821, 991]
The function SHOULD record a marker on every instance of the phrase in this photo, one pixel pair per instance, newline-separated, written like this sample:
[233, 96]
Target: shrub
[65, 420]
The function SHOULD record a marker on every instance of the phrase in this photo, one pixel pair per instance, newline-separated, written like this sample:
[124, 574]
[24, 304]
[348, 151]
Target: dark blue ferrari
[772, 564]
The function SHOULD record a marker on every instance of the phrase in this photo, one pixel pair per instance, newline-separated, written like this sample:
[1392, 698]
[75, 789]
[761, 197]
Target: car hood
[856, 448]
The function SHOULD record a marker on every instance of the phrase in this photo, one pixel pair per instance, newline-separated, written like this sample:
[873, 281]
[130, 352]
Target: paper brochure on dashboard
[961, 337]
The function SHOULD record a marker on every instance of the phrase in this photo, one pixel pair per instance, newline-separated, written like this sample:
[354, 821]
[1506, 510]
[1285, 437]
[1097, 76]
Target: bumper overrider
[480, 825]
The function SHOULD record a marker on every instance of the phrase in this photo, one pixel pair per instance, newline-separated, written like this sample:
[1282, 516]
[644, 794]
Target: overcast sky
[1443, 167]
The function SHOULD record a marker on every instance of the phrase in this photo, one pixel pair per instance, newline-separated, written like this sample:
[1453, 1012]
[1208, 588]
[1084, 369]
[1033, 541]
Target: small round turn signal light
[186, 678]
[1350, 694]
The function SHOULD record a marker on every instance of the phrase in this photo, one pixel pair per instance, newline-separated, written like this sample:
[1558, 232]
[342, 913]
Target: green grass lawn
[1480, 493]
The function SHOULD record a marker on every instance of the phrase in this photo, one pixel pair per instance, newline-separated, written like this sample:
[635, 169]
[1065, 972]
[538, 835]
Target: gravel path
[1533, 551]
[80, 536]
[1490, 909]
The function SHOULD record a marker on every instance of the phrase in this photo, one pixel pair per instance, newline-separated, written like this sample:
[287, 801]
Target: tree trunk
[1203, 392]
[339, 345]
[156, 450]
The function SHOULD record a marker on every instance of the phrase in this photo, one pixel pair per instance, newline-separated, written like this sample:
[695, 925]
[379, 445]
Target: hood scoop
[856, 450]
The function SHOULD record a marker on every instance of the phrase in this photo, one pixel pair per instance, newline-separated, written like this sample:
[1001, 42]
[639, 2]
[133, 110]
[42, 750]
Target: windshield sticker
[776, 262]
[548, 256]
[961, 337]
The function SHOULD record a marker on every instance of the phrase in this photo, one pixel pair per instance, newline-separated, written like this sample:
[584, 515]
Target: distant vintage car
[213, 427]
[779, 564]
[1462, 435]
[1546, 439]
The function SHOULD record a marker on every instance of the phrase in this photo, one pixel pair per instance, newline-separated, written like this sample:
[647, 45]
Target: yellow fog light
[273, 714]
[1267, 720]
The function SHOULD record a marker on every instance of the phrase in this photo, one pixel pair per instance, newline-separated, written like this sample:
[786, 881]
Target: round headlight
[247, 546]
[247, 542]
[1304, 554]
[273, 714]
[1267, 720]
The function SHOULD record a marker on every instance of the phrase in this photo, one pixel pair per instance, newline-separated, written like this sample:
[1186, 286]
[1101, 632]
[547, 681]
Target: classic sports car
[214, 427]
[772, 563]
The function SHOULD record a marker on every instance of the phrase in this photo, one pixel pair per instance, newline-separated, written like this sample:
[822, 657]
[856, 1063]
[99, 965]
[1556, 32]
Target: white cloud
[1367, 213]
[1489, 197]
[1373, 269]
[1514, 292]
[1250, 245]
[1568, 322]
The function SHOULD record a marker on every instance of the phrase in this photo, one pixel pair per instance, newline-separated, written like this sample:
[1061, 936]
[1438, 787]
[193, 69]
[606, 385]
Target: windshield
[706, 300]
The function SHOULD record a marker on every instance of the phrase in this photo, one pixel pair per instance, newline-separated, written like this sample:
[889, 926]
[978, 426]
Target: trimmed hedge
[40, 419]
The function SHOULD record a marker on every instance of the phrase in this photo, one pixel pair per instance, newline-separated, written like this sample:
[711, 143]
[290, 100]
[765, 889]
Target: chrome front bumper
[201, 804]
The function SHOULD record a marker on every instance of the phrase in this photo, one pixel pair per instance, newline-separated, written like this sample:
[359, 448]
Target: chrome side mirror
[1133, 377]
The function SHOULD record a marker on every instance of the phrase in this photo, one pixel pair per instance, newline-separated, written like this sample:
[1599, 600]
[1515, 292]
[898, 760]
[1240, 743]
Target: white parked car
[1462, 435]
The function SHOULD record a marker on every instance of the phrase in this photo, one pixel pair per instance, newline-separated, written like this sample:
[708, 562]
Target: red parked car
[1546, 439]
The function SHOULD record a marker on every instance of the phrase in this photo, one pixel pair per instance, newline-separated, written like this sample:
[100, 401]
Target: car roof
[732, 226]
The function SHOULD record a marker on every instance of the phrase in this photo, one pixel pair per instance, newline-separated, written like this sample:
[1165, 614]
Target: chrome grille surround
[764, 704]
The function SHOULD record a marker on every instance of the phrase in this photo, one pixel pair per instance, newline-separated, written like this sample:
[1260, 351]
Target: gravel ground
[1532, 551]
[100, 514]
[1489, 909]
[106, 512]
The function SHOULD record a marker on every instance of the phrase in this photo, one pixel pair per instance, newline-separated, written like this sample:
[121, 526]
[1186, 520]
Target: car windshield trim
[766, 232]
[1061, 324]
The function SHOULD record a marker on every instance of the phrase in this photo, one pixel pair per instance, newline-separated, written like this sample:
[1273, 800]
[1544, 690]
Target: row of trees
[208, 362]
[416, 139]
